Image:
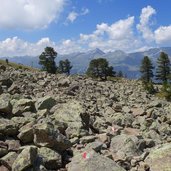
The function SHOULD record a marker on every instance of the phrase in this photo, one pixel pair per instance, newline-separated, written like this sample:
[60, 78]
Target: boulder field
[74, 123]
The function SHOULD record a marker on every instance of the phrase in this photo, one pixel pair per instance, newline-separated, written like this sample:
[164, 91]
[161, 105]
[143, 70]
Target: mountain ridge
[127, 62]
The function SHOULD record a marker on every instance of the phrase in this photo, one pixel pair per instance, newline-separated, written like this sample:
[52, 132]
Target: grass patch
[17, 66]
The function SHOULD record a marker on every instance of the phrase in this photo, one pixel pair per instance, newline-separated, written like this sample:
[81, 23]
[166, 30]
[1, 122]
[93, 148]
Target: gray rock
[72, 113]
[8, 127]
[64, 82]
[50, 158]
[25, 159]
[26, 133]
[9, 159]
[45, 103]
[5, 105]
[21, 121]
[87, 139]
[124, 146]
[45, 135]
[96, 146]
[159, 158]
[13, 145]
[23, 105]
[93, 161]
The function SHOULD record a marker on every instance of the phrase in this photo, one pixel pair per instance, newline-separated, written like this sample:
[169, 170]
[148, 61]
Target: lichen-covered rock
[13, 145]
[124, 146]
[23, 105]
[46, 102]
[92, 161]
[8, 127]
[63, 82]
[9, 159]
[21, 121]
[159, 158]
[5, 105]
[46, 135]
[50, 158]
[26, 133]
[25, 159]
[72, 113]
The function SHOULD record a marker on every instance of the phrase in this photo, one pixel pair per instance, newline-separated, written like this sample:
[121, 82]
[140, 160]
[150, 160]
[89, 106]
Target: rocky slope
[53, 122]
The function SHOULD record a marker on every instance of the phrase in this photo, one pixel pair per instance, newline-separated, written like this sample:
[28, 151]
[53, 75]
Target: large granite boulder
[46, 135]
[124, 146]
[46, 102]
[49, 158]
[159, 158]
[72, 113]
[92, 161]
[23, 105]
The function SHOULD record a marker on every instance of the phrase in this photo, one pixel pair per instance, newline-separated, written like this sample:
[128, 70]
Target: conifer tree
[47, 60]
[146, 69]
[64, 66]
[99, 68]
[163, 67]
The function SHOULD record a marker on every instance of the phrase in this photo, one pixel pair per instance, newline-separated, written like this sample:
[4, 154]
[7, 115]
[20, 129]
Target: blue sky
[28, 26]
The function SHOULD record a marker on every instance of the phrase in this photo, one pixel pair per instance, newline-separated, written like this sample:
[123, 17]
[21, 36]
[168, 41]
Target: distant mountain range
[127, 62]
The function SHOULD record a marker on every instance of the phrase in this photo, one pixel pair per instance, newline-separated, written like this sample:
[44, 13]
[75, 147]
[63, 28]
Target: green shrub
[166, 91]
[148, 86]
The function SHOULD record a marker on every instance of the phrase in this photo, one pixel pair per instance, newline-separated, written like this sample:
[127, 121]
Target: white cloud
[144, 26]
[18, 47]
[108, 37]
[29, 14]
[72, 16]
[163, 35]
[119, 35]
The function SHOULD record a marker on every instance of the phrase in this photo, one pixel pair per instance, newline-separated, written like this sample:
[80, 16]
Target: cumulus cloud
[17, 47]
[163, 35]
[72, 16]
[118, 35]
[29, 14]
[108, 37]
[144, 25]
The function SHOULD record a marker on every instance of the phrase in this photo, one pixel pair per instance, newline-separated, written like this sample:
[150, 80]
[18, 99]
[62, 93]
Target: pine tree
[61, 67]
[64, 66]
[99, 68]
[68, 66]
[163, 68]
[146, 69]
[47, 60]
[120, 74]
